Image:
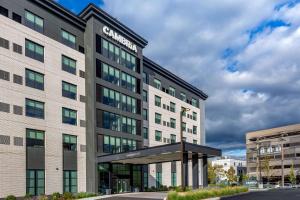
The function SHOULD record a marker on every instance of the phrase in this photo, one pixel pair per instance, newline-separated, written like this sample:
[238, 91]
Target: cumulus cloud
[245, 56]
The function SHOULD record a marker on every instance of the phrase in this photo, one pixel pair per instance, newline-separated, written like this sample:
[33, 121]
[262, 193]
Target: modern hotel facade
[276, 149]
[82, 109]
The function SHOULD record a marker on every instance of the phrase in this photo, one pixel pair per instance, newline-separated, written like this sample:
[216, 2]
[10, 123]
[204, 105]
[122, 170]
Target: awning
[159, 154]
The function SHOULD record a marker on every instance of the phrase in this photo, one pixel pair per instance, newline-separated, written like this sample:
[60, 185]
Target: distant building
[238, 165]
[277, 148]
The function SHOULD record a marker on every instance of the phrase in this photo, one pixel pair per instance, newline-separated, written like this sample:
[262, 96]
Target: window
[69, 90]
[112, 98]
[34, 22]
[110, 74]
[194, 102]
[34, 109]
[158, 136]
[68, 39]
[183, 111]
[173, 179]
[145, 133]
[145, 114]
[173, 123]
[145, 95]
[17, 18]
[158, 179]
[195, 130]
[69, 142]
[35, 182]
[182, 96]
[183, 126]
[195, 116]
[157, 84]
[34, 79]
[173, 138]
[172, 91]
[157, 118]
[172, 107]
[145, 77]
[116, 145]
[158, 101]
[195, 142]
[68, 64]
[35, 138]
[3, 11]
[70, 181]
[69, 116]
[184, 139]
[129, 82]
[4, 43]
[34, 50]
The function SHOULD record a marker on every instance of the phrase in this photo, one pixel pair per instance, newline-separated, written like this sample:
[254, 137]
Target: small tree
[292, 176]
[214, 172]
[266, 168]
[230, 175]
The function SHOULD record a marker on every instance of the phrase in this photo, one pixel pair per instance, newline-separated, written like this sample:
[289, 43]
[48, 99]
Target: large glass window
[34, 79]
[194, 102]
[69, 142]
[157, 118]
[69, 116]
[157, 84]
[68, 39]
[34, 109]
[173, 123]
[145, 95]
[195, 116]
[128, 82]
[70, 181]
[158, 101]
[69, 90]
[194, 129]
[158, 136]
[68, 64]
[34, 22]
[173, 138]
[145, 133]
[35, 138]
[183, 126]
[34, 50]
[145, 77]
[172, 107]
[158, 179]
[145, 114]
[172, 91]
[195, 142]
[183, 96]
[35, 182]
[110, 74]
[173, 179]
[116, 145]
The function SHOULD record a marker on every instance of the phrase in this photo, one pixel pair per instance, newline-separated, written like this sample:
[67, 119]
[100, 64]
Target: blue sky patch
[76, 6]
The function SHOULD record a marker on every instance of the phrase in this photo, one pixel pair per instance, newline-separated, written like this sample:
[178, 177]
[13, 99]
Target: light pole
[183, 109]
[282, 158]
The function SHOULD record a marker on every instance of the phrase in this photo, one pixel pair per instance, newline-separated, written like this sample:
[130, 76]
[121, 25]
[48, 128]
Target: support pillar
[195, 167]
[204, 171]
[185, 170]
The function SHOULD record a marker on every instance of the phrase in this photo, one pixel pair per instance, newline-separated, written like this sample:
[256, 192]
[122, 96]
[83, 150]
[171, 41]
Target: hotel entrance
[121, 185]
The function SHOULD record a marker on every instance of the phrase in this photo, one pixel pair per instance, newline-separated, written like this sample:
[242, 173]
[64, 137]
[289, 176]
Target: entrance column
[204, 171]
[185, 170]
[110, 175]
[195, 167]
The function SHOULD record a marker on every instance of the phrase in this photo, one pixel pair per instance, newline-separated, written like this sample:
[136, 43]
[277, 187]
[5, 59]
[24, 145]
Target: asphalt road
[277, 194]
[139, 196]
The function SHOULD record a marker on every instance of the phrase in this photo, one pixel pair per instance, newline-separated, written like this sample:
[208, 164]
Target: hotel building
[82, 109]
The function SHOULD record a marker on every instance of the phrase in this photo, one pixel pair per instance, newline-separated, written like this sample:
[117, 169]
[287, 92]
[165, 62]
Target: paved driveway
[277, 194]
[139, 196]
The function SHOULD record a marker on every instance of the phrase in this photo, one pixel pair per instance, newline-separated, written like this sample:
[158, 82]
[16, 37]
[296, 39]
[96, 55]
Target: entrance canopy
[159, 154]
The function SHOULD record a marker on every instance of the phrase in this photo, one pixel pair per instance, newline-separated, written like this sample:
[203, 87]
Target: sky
[245, 56]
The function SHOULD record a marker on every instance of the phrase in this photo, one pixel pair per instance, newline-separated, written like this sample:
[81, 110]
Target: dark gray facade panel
[53, 21]
[18, 79]
[4, 75]
[17, 48]
[4, 107]
[18, 110]
[82, 123]
[5, 139]
[82, 148]
[70, 160]
[82, 98]
[35, 158]
[159, 167]
[18, 141]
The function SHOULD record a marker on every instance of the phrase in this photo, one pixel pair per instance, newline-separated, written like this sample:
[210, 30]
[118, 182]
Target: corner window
[34, 50]
[157, 118]
[172, 107]
[158, 101]
[173, 138]
[35, 109]
[69, 142]
[34, 79]
[195, 116]
[69, 90]
[145, 114]
[195, 130]
[183, 96]
[194, 102]
[69, 116]
[183, 125]
[145, 133]
[158, 136]
[34, 22]
[172, 91]
[68, 39]
[145, 77]
[68, 64]
[145, 96]
[157, 84]
[173, 123]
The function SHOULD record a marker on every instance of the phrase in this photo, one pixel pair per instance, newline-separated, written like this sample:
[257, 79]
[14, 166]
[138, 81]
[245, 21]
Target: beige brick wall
[12, 171]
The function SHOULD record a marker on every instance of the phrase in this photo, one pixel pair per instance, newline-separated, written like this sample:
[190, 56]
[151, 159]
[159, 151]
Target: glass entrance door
[121, 185]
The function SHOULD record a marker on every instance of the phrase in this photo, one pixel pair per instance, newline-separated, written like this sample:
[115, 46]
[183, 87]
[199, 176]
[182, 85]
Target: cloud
[246, 57]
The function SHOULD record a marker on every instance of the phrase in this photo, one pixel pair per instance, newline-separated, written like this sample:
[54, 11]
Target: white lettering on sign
[119, 38]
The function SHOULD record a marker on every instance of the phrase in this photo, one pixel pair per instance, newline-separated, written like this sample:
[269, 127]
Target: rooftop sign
[119, 38]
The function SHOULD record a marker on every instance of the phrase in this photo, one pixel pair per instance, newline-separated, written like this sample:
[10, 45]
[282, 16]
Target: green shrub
[205, 193]
[10, 197]
[42, 197]
[55, 196]
[81, 195]
[27, 197]
[68, 196]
